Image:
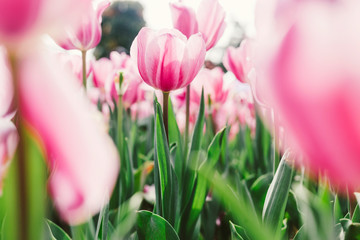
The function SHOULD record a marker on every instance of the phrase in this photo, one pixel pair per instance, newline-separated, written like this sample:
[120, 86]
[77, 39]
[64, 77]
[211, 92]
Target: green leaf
[192, 162]
[356, 214]
[56, 232]
[151, 226]
[126, 218]
[353, 232]
[164, 176]
[34, 192]
[239, 209]
[175, 137]
[300, 234]
[141, 174]
[238, 233]
[276, 197]
[192, 211]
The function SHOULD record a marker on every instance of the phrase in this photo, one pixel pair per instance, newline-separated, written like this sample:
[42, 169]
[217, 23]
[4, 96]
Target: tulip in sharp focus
[166, 59]
[208, 20]
[312, 64]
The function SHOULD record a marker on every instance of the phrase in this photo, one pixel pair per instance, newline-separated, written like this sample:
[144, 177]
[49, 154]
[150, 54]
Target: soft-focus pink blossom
[238, 61]
[184, 19]
[208, 20]
[313, 72]
[6, 87]
[88, 35]
[82, 158]
[166, 59]
[213, 83]
[73, 63]
[210, 16]
[106, 80]
[8, 141]
[22, 21]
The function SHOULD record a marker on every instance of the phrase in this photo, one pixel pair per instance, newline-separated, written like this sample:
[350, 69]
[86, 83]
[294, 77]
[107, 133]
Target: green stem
[187, 117]
[276, 142]
[21, 165]
[83, 57]
[165, 113]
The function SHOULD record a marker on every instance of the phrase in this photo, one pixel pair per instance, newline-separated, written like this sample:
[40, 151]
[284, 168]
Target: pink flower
[184, 19]
[313, 82]
[8, 142]
[213, 83]
[166, 59]
[88, 35]
[6, 87]
[73, 64]
[238, 61]
[208, 20]
[82, 158]
[103, 80]
[21, 21]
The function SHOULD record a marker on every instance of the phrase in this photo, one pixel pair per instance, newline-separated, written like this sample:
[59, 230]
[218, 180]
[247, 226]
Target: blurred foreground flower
[8, 142]
[309, 53]
[83, 160]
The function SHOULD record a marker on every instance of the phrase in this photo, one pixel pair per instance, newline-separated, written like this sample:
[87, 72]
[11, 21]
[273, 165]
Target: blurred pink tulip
[213, 83]
[88, 35]
[313, 74]
[184, 18]
[6, 88]
[8, 141]
[82, 158]
[208, 20]
[166, 59]
[21, 21]
[238, 61]
[103, 79]
[73, 64]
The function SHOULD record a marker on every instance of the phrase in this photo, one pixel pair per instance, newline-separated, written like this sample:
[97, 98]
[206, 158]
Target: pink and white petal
[82, 158]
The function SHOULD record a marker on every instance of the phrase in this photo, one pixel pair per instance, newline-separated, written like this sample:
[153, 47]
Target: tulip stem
[187, 118]
[165, 113]
[21, 164]
[83, 57]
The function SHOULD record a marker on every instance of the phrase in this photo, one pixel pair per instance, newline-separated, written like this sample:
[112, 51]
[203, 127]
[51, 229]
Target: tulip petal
[82, 158]
[184, 19]
[210, 17]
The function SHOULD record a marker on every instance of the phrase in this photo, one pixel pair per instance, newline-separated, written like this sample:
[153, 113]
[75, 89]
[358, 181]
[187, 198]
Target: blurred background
[123, 20]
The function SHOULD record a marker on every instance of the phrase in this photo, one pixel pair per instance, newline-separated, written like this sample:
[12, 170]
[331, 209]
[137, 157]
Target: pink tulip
[238, 61]
[6, 87]
[73, 64]
[8, 142]
[82, 158]
[21, 21]
[213, 83]
[184, 19]
[103, 79]
[208, 20]
[313, 72]
[166, 59]
[88, 35]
